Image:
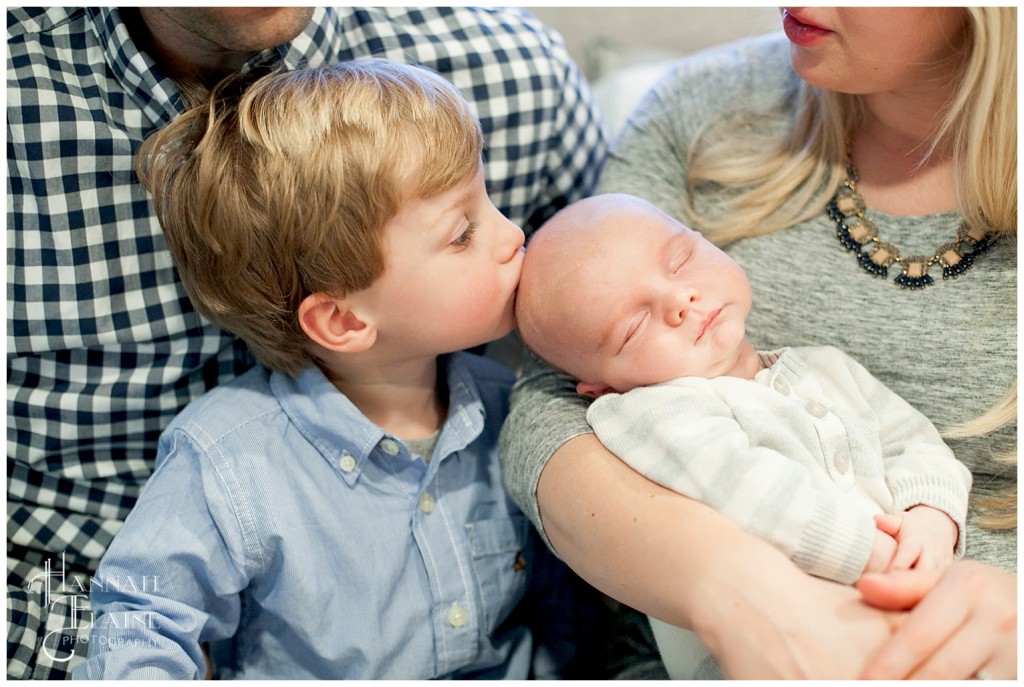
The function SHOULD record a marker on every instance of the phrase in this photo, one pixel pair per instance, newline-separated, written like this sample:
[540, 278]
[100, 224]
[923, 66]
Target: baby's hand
[925, 538]
[882, 551]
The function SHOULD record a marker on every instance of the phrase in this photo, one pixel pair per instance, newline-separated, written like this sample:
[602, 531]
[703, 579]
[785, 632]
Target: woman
[910, 112]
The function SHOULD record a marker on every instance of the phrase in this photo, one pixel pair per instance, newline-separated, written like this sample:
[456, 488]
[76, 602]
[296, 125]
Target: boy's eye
[465, 237]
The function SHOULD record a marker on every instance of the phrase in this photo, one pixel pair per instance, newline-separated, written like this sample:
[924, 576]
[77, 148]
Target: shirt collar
[159, 96]
[317, 44]
[336, 428]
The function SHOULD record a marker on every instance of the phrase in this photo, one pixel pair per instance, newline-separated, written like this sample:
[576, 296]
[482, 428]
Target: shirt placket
[439, 534]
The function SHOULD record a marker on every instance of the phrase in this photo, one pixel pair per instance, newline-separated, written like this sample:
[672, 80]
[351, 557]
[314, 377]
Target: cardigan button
[841, 459]
[816, 409]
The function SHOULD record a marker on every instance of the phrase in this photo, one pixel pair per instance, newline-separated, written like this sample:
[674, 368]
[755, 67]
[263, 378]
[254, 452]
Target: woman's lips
[801, 33]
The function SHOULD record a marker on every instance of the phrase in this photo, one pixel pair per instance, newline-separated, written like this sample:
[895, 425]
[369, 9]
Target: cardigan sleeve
[689, 441]
[920, 469]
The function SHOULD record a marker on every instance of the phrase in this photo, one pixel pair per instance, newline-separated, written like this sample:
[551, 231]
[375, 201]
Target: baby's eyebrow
[609, 331]
[675, 246]
[606, 334]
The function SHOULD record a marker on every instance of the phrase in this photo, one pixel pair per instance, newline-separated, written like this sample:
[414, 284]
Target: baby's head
[618, 294]
[286, 195]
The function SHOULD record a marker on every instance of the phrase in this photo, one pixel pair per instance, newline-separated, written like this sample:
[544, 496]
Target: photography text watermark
[67, 595]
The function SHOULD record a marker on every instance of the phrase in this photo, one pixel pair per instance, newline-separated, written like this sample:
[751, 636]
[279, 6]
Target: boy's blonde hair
[279, 185]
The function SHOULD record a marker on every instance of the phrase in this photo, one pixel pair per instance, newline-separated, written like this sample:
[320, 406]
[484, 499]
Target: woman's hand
[789, 625]
[963, 623]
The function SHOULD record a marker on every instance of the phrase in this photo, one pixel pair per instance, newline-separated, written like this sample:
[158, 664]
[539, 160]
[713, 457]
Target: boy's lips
[708, 321]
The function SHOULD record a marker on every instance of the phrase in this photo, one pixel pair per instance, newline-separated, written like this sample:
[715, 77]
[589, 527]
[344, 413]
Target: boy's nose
[512, 239]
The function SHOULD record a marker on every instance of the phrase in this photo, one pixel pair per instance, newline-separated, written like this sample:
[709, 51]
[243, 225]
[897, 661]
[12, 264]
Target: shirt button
[426, 502]
[816, 409]
[389, 446]
[457, 616]
[347, 463]
[841, 460]
[781, 385]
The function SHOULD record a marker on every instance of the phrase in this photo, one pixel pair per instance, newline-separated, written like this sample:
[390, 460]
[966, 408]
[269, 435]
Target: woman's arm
[693, 437]
[681, 562]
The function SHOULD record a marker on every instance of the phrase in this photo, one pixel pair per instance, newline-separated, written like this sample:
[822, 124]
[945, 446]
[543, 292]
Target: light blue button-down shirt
[278, 514]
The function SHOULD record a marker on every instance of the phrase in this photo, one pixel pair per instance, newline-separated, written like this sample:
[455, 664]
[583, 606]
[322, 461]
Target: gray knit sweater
[950, 349]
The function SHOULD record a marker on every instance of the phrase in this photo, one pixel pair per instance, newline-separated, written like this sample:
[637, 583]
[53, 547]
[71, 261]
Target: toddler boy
[338, 510]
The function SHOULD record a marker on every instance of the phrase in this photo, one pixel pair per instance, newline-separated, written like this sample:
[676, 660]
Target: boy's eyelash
[465, 237]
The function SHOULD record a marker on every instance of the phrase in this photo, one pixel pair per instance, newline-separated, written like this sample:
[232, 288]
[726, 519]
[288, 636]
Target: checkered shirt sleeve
[103, 345]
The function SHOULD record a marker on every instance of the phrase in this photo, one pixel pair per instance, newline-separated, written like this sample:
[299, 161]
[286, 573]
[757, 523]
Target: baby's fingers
[888, 523]
[934, 558]
[907, 554]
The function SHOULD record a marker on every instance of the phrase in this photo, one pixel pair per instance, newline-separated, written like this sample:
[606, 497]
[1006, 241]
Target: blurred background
[623, 50]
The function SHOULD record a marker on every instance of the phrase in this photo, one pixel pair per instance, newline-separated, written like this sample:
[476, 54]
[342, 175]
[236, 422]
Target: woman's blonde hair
[781, 181]
[774, 183]
[996, 510]
[279, 185]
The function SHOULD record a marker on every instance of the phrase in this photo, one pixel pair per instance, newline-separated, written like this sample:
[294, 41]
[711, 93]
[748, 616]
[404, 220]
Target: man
[103, 345]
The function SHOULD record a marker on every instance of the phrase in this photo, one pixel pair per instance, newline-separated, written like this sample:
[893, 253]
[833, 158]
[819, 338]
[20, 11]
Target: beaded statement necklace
[860, 235]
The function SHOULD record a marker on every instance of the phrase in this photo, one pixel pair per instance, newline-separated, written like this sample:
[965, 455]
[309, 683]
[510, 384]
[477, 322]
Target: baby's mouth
[708, 321]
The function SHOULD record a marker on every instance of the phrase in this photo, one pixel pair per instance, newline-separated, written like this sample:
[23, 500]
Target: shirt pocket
[499, 550]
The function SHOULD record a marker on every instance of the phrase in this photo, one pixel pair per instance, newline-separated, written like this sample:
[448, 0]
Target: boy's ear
[331, 324]
[593, 390]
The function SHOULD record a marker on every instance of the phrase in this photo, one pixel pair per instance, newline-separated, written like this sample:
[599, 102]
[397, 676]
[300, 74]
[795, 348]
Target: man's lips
[800, 31]
[712, 316]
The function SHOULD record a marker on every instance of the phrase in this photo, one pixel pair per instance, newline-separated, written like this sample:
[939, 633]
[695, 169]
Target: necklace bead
[859, 234]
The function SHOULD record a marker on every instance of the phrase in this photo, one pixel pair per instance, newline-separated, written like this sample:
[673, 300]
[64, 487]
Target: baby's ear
[333, 323]
[592, 390]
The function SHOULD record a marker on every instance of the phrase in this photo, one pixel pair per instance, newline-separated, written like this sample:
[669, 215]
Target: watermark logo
[67, 596]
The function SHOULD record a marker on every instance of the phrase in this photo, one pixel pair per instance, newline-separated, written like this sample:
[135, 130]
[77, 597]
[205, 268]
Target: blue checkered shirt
[103, 347]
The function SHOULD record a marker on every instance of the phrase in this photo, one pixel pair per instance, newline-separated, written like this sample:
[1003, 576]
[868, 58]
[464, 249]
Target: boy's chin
[478, 343]
[506, 329]
[506, 326]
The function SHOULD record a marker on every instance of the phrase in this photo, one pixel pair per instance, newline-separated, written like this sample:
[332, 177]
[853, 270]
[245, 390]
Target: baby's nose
[679, 303]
